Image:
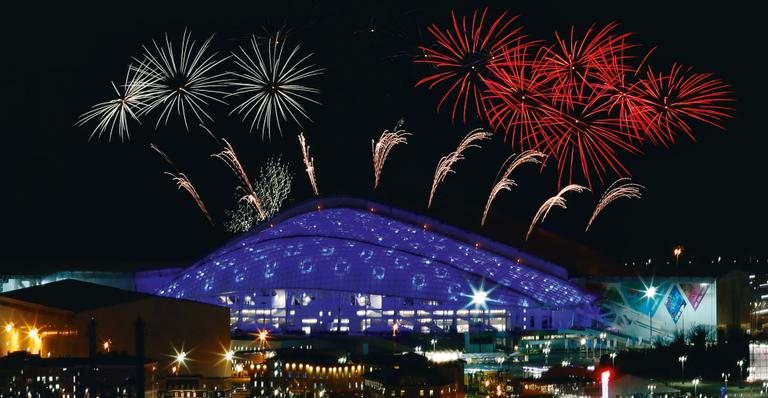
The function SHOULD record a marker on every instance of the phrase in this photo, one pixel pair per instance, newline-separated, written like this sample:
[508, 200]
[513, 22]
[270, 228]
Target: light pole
[650, 294]
[546, 355]
[434, 342]
[678, 250]
[725, 379]
[695, 383]
[651, 387]
[740, 362]
[613, 359]
[682, 360]
[583, 342]
[603, 336]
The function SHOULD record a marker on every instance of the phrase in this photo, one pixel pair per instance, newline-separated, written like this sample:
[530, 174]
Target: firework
[113, 116]
[183, 81]
[463, 54]
[387, 141]
[446, 162]
[228, 156]
[309, 162]
[273, 187]
[273, 81]
[183, 182]
[505, 183]
[557, 200]
[678, 97]
[619, 189]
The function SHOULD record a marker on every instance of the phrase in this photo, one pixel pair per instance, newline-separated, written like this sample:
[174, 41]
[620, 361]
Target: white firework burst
[113, 116]
[184, 82]
[271, 78]
[557, 200]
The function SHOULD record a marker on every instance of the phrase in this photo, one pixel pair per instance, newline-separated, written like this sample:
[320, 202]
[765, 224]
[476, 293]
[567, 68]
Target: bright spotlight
[181, 357]
[650, 292]
[229, 356]
[479, 297]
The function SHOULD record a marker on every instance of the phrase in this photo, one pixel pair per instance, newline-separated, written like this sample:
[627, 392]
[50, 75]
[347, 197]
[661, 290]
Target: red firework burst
[462, 55]
[679, 97]
[581, 100]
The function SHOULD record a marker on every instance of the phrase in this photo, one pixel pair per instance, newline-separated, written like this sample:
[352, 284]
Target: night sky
[71, 203]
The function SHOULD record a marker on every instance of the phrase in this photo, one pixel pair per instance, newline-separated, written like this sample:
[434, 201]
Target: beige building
[71, 318]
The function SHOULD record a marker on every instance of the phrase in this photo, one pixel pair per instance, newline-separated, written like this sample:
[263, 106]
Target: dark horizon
[71, 203]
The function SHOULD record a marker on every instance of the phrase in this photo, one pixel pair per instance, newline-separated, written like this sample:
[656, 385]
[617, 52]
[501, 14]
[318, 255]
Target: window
[421, 393]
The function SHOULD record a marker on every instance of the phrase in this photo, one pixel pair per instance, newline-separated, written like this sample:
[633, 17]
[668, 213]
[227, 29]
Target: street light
[682, 360]
[651, 387]
[677, 251]
[613, 359]
[740, 362]
[434, 342]
[725, 377]
[583, 343]
[650, 294]
[545, 350]
[603, 336]
[695, 383]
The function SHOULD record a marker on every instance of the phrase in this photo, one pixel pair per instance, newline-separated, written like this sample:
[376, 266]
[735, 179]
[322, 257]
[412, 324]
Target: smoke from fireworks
[273, 187]
[309, 162]
[617, 190]
[446, 162]
[557, 200]
[505, 183]
[183, 82]
[382, 147]
[183, 182]
[113, 116]
[273, 82]
[228, 156]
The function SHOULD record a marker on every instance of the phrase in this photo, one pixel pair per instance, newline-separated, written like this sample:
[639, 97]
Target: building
[355, 266]
[104, 375]
[72, 318]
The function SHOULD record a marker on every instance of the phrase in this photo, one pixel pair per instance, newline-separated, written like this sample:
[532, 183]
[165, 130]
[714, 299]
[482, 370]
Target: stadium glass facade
[354, 266]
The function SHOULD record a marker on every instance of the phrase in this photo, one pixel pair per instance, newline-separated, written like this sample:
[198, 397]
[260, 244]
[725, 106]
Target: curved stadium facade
[342, 264]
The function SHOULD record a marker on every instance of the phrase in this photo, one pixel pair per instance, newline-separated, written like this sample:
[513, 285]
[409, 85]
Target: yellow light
[107, 345]
[33, 333]
[229, 355]
[8, 327]
[181, 357]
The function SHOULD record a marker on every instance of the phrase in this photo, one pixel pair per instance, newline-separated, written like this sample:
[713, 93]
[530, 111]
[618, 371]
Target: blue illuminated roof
[353, 245]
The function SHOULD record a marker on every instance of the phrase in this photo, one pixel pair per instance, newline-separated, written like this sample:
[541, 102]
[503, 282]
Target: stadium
[351, 265]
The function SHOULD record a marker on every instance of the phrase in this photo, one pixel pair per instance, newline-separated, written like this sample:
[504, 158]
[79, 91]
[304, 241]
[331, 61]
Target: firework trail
[381, 150]
[183, 182]
[557, 200]
[309, 162]
[505, 183]
[447, 161]
[272, 79]
[228, 156]
[183, 82]
[114, 115]
[617, 190]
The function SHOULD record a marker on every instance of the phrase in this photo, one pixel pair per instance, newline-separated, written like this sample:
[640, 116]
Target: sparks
[272, 79]
[183, 82]
[228, 156]
[444, 166]
[309, 163]
[183, 182]
[113, 116]
[619, 189]
[557, 200]
[387, 141]
[272, 187]
[505, 183]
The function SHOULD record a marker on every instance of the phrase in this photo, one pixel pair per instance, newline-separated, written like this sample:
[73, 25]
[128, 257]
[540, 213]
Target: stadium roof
[355, 245]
